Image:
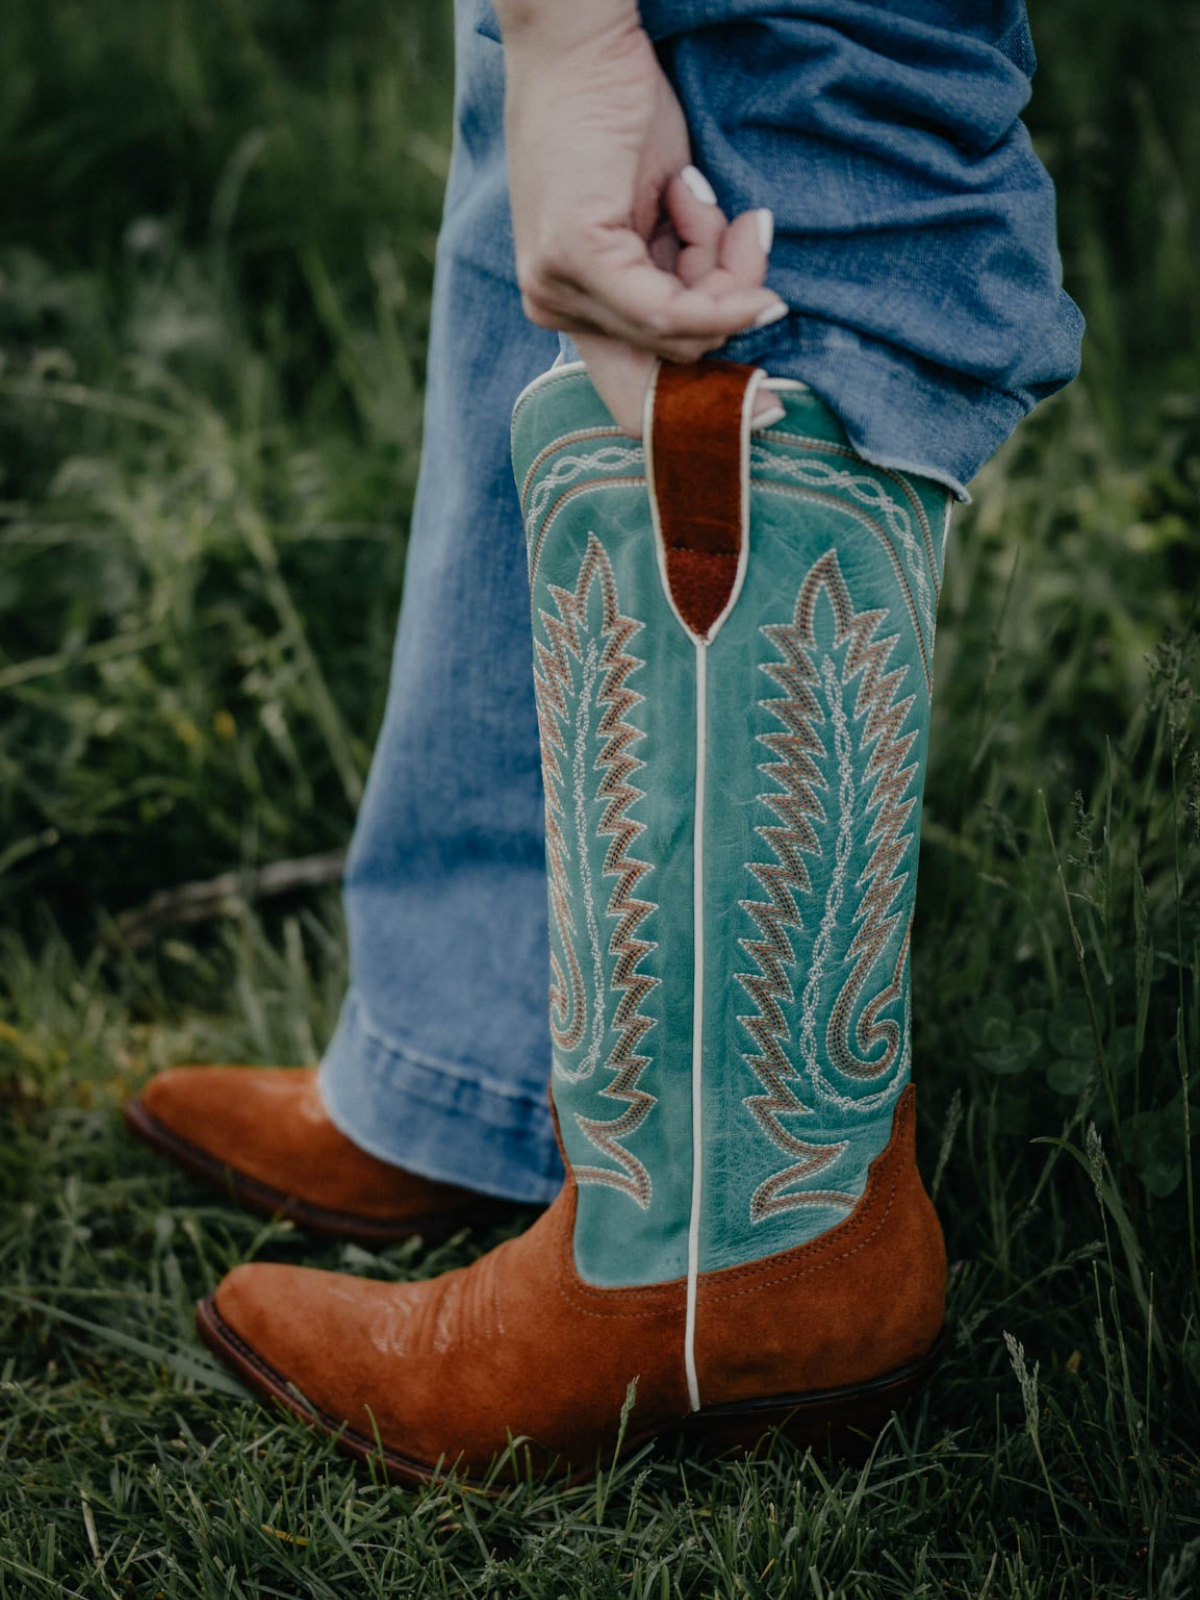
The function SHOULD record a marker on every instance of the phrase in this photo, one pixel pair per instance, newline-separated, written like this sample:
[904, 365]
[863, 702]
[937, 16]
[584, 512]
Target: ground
[215, 261]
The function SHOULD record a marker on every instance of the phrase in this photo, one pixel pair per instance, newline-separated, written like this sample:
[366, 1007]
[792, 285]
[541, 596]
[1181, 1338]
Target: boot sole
[845, 1421]
[267, 1201]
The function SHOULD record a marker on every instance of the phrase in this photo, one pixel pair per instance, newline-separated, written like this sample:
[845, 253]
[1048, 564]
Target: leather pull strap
[697, 464]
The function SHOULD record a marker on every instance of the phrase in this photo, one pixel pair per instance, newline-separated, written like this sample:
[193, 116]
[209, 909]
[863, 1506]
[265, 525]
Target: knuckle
[552, 258]
[686, 351]
[542, 273]
[529, 279]
[536, 309]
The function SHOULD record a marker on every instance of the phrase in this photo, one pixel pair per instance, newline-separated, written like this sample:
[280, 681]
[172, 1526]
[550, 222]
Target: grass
[214, 281]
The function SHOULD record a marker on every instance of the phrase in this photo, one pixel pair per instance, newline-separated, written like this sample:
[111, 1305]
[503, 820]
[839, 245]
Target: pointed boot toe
[822, 1342]
[263, 1134]
[437, 1376]
[300, 1337]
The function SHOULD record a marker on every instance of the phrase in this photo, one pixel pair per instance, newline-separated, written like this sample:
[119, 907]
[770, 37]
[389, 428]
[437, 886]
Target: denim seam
[459, 1071]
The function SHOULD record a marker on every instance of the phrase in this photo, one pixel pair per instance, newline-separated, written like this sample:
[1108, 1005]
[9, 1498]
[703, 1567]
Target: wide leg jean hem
[440, 1120]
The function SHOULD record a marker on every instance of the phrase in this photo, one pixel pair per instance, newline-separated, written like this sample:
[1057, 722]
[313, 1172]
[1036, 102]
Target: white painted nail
[766, 229]
[698, 185]
[770, 314]
[767, 419]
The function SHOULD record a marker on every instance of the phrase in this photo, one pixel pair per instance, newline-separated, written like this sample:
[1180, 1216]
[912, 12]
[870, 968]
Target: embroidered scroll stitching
[870, 770]
[565, 709]
[869, 492]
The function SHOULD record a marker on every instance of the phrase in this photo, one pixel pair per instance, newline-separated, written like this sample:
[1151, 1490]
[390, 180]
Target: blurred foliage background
[216, 247]
[217, 239]
[218, 236]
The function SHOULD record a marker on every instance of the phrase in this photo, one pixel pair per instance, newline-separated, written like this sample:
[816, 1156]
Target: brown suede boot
[264, 1134]
[732, 661]
[823, 1341]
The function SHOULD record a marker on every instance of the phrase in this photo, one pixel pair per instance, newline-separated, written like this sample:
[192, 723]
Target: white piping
[758, 381]
[701, 642]
[561, 368]
[747, 427]
[660, 549]
[693, 1268]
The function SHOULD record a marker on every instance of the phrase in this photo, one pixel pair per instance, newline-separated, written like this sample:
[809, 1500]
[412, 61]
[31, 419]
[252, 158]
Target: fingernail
[767, 419]
[698, 185]
[770, 314]
[766, 229]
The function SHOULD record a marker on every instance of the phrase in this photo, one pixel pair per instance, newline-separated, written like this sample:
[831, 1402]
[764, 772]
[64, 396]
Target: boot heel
[844, 1422]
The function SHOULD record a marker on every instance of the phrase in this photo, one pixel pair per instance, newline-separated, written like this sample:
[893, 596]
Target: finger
[745, 248]
[664, 247]
[698, 222]
[767, 410]
[621, 376]
[671, 346]
[621, 294]
[604, 281]
[744, 253]
[741, 256]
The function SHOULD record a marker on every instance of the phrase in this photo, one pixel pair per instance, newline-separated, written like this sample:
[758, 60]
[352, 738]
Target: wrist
[559, 26]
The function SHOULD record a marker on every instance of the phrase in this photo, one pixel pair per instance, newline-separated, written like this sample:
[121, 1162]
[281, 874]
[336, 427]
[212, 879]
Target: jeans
[915, 247]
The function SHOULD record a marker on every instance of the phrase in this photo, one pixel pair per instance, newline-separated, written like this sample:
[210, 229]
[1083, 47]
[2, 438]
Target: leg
[439, 1062]
[733, 640]
[733, 705]
[434, 1083]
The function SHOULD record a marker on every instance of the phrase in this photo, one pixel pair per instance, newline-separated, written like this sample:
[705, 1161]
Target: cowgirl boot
[732, 661]
[263, 1135]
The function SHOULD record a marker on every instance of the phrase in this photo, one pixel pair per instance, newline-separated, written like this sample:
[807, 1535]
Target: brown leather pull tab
[697, 450]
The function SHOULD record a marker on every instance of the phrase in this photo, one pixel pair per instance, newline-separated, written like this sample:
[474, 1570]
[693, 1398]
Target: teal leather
[817, 719]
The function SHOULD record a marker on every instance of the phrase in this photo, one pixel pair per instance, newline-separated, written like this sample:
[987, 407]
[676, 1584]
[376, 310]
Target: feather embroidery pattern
[862, 758]
[580, 670]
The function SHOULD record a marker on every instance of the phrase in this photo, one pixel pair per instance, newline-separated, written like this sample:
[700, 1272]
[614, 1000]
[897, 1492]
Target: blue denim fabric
[441, 1057]
[915, 245]
[914, 225]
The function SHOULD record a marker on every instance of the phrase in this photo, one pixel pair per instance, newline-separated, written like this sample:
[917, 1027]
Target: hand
[613, 246]
[710, 252]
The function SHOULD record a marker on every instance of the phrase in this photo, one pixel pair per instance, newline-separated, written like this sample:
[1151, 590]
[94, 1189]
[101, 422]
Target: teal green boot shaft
[733, 816]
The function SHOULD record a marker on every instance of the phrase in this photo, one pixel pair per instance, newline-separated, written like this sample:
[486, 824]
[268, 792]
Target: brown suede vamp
[269, 1124]
[445, 1370]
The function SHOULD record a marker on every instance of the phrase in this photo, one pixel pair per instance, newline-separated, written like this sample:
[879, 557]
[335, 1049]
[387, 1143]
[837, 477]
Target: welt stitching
[805, 1272]
[871, 1205]
[281, 1392]
[271, 1375]
[576, 1296]
[292, 1205]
